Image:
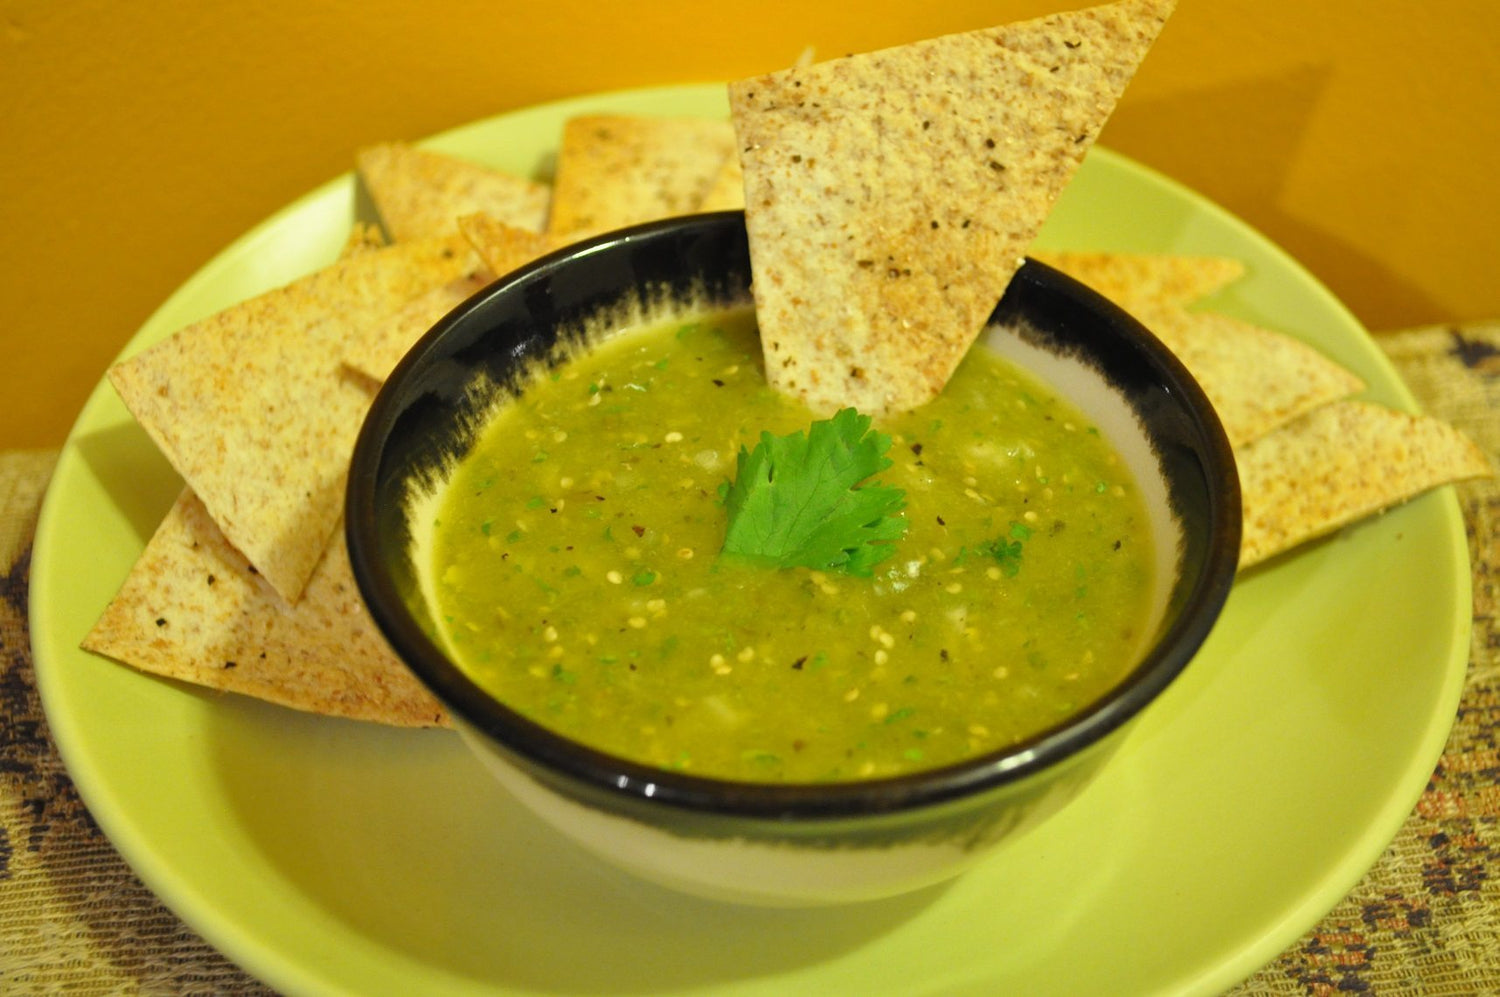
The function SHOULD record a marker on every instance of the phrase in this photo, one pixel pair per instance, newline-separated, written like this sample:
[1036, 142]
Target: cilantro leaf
[797, 500]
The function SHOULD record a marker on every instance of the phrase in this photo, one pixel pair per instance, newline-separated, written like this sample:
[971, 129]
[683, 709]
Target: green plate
[328, 856]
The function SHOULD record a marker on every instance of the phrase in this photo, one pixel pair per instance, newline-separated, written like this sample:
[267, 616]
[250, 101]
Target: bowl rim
[582, 770]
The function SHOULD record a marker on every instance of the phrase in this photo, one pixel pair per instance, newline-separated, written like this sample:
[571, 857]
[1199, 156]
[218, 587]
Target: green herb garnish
[800, 500]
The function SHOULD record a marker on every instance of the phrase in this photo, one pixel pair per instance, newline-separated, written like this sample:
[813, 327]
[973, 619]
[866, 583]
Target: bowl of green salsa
[773, 655]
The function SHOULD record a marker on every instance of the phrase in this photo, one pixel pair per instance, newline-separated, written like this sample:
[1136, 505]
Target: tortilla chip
[890, 197]
[1339, 464]
[504, 247]
[1146, 278]
[420, 193]
[193, 609]
[251, 407]
[391, 338]
[1257, 379]
[619, 170]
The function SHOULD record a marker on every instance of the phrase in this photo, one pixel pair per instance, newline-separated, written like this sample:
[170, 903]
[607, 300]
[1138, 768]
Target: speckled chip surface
[891, 196]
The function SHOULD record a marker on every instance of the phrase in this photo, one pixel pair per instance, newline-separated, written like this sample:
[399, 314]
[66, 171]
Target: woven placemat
[1424, 921]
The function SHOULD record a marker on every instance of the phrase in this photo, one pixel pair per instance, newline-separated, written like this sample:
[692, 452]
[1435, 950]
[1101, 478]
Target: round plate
[332, 856]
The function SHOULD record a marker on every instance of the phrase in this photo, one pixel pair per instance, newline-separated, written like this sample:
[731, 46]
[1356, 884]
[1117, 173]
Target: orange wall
[137, 139]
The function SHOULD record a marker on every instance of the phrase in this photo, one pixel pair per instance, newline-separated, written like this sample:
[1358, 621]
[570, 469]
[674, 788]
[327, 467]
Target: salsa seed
[953, 588]
[565, 482]
[656, 606]
[747, 654]
[851, 695]
[829, 588]
[882, 656]
[614, 577]
[550, 634]
[673, 437]
[879, 711]
[979, 730]
[1030, 516]
[555, 651]
[637, 622]
[1001, 672]
[993, 574]
[908, 616]
[686, 553]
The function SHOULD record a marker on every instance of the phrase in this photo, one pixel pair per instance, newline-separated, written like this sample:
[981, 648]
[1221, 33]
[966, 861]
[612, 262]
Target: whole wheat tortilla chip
[1146, 278]
[891, 196]
[254, 410]
[192, 609]
[420, 193]
[1338, 464]
[504, 247]
[1256, 378]
[618, 170]
[392, 337]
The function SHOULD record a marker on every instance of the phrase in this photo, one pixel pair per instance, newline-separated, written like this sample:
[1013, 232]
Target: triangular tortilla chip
[618, 170]
[1341, 463]
[253, 409]
[890, 197]
[1149, 278]
[420, 193]
[193, 609]
[1257, 379]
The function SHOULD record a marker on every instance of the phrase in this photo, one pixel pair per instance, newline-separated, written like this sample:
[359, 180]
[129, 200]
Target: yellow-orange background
[137, 139]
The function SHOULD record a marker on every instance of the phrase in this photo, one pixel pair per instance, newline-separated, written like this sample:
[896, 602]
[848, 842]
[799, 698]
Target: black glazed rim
[573, 282]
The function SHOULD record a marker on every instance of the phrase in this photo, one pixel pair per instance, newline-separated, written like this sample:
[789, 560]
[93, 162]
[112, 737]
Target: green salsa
[576, 569]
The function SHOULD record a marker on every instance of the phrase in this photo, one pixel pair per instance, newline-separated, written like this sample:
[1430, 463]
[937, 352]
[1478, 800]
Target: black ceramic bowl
[775, 843]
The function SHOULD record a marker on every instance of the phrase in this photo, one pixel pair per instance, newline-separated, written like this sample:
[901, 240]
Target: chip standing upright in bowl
[774, 840]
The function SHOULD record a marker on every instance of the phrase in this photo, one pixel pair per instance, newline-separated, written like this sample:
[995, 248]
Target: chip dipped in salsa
[578, 566]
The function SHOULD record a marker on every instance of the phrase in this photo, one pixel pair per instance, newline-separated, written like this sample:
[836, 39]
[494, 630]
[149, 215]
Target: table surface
[1424, 920]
